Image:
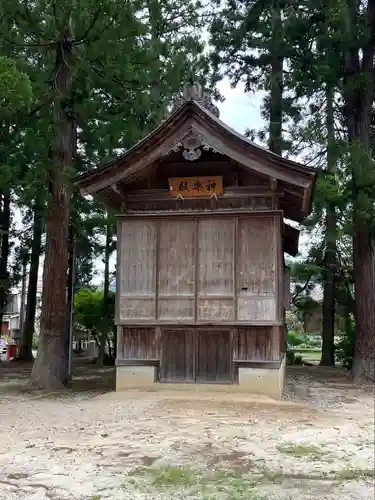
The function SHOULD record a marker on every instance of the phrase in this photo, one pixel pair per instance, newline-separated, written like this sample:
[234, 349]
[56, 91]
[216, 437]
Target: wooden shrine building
[201, 282]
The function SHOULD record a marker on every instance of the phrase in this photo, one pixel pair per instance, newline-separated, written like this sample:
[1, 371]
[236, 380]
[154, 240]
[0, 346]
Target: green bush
[290, 357]
[298, 360]
[293, 359]
[295, 338]
[344, 348]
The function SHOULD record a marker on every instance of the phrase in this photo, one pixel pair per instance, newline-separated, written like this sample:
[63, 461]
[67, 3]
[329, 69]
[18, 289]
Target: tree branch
[50, 44]
[90, 27]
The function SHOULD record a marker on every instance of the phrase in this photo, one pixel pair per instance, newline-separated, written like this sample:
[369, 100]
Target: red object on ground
[12, 351]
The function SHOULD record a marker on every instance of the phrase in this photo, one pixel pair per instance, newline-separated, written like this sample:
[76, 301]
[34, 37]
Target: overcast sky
[239, 110]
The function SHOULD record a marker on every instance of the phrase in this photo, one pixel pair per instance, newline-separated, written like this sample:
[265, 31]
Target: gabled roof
[295, 180]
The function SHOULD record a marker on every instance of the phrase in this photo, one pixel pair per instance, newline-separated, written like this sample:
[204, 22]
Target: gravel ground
[161, 445]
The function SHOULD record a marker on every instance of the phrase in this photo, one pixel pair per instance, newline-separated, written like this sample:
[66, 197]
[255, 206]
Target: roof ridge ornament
[194, 91]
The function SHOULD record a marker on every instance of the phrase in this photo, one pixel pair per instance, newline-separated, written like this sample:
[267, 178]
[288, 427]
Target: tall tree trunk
[25, 258]
[328, 348]
[275, 142]
[364, 356]
[70, 299]
[25, 352]
[104, 334]
[4, 254]
[359, 100]
[50, 369]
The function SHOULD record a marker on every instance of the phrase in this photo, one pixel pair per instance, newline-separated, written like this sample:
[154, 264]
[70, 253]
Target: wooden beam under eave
[111, 198]
[307, 200]
[290, 240]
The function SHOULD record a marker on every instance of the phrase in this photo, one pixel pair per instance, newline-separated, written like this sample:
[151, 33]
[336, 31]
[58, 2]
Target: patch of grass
[232, 485]
[311, 452]
[350, 474]
[175, 476]
[17, 475]
[229, 485]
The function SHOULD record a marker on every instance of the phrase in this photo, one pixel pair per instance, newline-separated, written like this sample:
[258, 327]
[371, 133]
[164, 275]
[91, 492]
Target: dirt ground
[91, 443]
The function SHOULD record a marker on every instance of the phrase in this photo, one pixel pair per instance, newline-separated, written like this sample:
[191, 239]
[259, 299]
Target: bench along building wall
[200, 296]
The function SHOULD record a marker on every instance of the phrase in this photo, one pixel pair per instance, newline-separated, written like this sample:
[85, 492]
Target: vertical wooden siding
[198, 353]
[171, 267]
[139, 343]
[256, 274]
[214, 356]
[177, 358]
[176, 268]
[256, 343]
[137, 270]
[216, 270]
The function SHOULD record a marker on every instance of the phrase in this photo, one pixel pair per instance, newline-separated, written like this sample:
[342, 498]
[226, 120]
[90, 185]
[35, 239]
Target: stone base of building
[128, 377]
[267, 379]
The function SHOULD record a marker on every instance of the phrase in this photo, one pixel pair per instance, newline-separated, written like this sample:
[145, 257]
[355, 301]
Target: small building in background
[11, 317]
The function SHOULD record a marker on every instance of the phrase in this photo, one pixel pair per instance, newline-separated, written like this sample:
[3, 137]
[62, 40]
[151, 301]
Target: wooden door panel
[213, 356]
[177, 359]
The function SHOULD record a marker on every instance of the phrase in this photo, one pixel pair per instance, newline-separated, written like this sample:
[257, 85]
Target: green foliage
[290, 357]
[293, 359]
[127, 63]
[298, 360]
[345, 347]
[15, 89]
[295, 338]
[90, 313]
[35, 342]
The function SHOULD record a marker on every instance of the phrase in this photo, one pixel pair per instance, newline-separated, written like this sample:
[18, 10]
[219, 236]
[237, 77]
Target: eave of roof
[109, 173]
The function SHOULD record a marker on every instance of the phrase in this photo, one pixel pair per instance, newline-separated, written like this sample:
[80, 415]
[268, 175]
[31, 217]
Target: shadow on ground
[87, 377]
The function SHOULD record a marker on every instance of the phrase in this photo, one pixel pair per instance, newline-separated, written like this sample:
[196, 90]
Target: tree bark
[364, 355]
[50, 369]
[23, 290]
[104, 333]
[70, 299]
[4, 254]
[25, 352]
[275, 142]
[359, 97]
[328, 347]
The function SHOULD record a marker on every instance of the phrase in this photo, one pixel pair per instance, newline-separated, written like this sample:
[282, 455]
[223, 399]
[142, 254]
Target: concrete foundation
[266, 381]
[128, 377]
[252, 380]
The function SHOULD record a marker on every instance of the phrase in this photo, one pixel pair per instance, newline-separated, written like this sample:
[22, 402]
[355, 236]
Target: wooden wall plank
[214, 356]
[142, 308]
[216, 309]
[137, 270]
[176, 308]
[256, 269]
[176, 260]
[139, 343]
[176, 269]
[138, 256]
[254, 343]
[216, 270]
[216, 255]
[177, 359]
